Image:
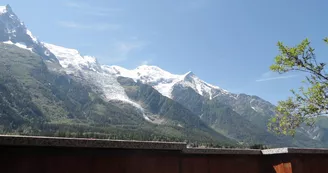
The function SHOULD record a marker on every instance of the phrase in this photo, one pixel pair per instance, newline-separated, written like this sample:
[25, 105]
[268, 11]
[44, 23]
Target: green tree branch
[307, 103]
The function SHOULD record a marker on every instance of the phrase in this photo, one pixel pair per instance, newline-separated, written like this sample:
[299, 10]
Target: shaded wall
[296, 163]
[71, 160]
[310, 163]
[20, 159]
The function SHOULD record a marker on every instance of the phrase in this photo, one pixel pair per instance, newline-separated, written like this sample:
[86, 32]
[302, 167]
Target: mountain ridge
[14, 31]
[145, 98]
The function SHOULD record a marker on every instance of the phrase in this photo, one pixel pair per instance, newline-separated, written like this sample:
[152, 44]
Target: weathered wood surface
[59, 155]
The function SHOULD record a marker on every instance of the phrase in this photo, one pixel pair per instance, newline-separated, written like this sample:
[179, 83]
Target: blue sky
[229, 43]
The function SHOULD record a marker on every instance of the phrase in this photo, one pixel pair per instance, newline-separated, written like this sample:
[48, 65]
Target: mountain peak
[189, 74]
[5, 9]
[8, 7]
[164, 81]
[13, 31]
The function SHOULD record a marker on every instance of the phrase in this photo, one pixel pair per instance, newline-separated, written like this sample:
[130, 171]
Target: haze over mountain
[46, 89]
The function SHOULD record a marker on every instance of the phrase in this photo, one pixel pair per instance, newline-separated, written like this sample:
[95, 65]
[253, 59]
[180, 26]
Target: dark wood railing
[20, 154]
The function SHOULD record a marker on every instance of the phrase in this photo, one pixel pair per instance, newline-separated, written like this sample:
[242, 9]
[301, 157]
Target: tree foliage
[307, 102]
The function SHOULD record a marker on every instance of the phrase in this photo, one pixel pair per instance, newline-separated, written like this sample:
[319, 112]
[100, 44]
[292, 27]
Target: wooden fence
[60, 155]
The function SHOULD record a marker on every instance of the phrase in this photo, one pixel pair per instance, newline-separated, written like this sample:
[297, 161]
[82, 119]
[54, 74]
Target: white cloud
[276, 78]
[96, 26]
[127, 47]
[123, 50]
[146, 62]
[268, 76]
[92, 9]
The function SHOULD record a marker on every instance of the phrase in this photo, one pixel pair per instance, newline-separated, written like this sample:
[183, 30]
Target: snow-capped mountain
[72, 59]
[13, 31]
[188, 102]
[84, 68]
[164, 81]
[103, 78]
[87, 70]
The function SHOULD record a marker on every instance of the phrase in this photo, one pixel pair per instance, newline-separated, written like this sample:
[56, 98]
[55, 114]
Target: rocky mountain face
[13, 31]
[52, 90]
[240, 117]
